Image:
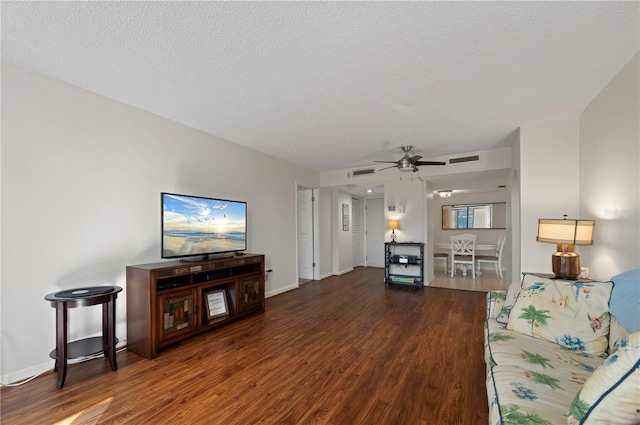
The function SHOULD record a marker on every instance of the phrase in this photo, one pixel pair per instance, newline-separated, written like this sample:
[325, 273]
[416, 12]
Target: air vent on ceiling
[363, 172]
[463, 159]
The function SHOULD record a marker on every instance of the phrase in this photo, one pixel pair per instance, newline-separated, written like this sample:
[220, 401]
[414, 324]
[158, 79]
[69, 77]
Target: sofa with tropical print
[564, 351]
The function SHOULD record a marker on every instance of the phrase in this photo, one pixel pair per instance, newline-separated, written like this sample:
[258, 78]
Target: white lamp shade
[565, 231]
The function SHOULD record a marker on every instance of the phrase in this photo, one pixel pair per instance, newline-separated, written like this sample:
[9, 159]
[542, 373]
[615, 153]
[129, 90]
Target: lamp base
[566, 262]
[393, 236]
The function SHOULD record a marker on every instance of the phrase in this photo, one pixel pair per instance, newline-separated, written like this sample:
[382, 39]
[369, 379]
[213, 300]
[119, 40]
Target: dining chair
[463, 252]
[442, 256]
[495, 259]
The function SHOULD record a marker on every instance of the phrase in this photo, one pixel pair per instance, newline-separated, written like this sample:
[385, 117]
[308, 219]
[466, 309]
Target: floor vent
[363, 172]
[462, 159]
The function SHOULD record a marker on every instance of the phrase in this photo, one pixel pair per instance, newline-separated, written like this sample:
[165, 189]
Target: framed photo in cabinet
[216, 302]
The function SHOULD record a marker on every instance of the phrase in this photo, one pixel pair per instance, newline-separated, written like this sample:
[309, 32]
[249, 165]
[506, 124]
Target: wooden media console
[170, 301]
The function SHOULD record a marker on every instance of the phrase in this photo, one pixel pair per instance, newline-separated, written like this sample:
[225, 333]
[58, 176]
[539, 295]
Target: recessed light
[369, 190]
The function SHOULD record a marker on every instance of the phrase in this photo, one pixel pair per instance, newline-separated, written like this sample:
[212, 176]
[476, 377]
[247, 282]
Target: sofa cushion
[510, 348]
[625, 299]
[518, 396]
[574, 314]
[512, 295]
[612, 394]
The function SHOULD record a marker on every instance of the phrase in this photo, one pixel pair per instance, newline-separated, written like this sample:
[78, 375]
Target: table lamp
[566, 234]
[393, 225]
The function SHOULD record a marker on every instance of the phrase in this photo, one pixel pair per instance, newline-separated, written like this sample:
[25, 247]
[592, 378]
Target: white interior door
[305, 234]
[374, 233]
[356, 243]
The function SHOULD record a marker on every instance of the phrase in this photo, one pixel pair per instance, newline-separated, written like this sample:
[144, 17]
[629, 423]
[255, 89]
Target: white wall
[431, 223]
[341, 243]
[587, 167]
[512, 244]
[610, 175]
[409, 194]
[81, 183]
[549, 185]
[325, 234]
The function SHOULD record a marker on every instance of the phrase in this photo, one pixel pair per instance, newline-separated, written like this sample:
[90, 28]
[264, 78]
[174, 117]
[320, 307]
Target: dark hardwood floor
[344, 350]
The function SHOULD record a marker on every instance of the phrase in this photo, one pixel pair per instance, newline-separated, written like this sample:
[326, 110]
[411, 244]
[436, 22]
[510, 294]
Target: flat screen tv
[198, 226]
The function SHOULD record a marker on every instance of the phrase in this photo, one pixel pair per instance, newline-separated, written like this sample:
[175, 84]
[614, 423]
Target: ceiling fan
[409, 163]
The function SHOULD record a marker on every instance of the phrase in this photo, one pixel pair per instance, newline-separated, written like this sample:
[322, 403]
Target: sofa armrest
[495, 301]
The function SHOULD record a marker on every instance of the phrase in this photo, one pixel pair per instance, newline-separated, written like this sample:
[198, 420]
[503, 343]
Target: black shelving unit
[404, 263]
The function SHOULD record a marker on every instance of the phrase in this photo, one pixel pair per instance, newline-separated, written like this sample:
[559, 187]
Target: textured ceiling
[331, 85]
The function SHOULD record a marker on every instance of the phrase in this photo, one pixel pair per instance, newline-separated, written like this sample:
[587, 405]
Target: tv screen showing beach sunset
[193, 225]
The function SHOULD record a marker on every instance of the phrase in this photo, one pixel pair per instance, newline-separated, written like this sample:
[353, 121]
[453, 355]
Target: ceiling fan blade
[409, 163]
[386, 168]
[429, 163]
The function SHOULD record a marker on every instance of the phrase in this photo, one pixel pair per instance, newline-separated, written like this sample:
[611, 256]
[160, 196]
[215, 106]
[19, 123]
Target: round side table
[84, 297]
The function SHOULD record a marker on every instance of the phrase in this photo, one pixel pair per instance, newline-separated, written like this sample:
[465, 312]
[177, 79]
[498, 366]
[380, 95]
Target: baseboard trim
[340, 273]
[281, 290]
[18, 376]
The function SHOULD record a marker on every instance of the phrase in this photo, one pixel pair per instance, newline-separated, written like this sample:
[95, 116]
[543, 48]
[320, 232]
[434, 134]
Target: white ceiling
[332, 85]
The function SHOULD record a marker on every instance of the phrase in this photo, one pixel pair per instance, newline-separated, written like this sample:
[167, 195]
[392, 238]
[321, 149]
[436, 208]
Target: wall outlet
[584, 273]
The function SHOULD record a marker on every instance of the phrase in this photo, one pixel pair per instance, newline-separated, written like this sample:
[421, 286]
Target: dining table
[479, 247]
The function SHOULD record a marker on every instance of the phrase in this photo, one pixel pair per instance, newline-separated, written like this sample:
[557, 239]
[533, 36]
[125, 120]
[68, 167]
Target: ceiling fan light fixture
[445, 193]
[409, 163]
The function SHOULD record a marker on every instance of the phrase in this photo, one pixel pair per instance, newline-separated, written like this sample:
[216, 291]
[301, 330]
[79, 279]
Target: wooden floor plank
[344, 350]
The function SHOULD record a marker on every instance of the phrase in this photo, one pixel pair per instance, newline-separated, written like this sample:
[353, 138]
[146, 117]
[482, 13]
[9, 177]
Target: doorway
[374, 232]
[357, 233]
[305, 235]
